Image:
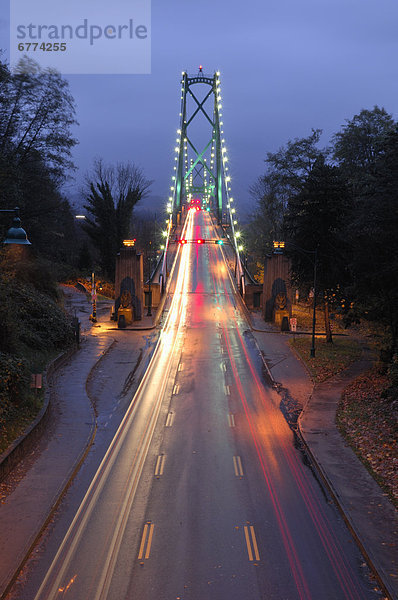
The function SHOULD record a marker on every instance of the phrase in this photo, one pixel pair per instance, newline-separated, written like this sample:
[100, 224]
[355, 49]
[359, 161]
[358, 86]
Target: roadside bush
[105, 288]
[23, 267]
[14, 384]
[33, 329]
[33, 325]
[41, 327]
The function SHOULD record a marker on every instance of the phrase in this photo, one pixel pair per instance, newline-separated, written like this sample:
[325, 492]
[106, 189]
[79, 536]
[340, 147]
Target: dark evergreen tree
[84, 261]
[372, 236]
[291, 165]
[265, 224]
[360, 144]
[313, 221]
[287, 171]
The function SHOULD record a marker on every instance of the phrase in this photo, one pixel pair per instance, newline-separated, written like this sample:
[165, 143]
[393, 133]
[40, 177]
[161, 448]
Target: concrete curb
[344, 513]
[274, 383]
[247, 315]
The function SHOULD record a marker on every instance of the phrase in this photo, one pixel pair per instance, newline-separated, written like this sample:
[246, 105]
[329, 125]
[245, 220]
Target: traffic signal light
[182, 241]
[200, 241]
[219, 242]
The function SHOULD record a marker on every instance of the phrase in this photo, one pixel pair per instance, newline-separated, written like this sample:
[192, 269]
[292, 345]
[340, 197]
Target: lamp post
[278, 249]
[15, 235]
[93, 316]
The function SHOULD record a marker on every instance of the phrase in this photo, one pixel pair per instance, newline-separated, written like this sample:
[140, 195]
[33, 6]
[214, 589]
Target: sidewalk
[367, 510]
[31, 492]
[72, 427]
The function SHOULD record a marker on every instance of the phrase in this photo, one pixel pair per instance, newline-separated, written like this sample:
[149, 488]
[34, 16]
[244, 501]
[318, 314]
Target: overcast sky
[286, 66]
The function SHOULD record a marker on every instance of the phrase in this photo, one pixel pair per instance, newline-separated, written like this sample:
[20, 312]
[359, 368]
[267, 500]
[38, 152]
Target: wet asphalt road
[202, 493]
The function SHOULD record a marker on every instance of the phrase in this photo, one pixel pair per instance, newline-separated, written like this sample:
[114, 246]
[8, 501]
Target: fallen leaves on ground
[329, 359]
[368, 418]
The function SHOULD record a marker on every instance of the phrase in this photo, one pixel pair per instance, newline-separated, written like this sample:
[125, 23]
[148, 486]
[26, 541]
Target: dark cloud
[286, 66]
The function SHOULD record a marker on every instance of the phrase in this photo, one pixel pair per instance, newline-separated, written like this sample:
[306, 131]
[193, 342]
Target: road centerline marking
[170, 419]
[255, 546]
[176, 389]
[248, 545]
[231, 420]
[227, 389]
[146, 540]
[148, 548]
[251, 543]
[238, 466]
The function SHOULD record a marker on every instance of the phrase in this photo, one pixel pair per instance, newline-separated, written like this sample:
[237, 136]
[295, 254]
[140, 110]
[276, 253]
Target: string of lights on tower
[216, 191]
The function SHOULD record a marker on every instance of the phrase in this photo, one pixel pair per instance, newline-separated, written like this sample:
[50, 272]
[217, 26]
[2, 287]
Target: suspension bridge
[195, 487]
[201, 169]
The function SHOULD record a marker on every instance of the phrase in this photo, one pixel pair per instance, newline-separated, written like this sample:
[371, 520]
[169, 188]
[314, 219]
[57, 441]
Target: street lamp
[278, 249]
[15, 235]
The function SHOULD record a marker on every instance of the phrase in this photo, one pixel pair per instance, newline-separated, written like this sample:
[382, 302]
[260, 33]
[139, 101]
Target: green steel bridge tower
[200, 170]
[201, 163]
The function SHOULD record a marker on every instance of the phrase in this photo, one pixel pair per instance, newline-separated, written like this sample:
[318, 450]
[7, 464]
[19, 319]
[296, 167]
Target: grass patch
[329, 359]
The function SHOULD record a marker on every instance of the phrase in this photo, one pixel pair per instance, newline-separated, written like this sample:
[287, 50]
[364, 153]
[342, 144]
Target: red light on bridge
[182, 241]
